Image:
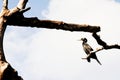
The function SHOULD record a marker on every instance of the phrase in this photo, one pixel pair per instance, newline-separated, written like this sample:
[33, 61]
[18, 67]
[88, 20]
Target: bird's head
[84, 39]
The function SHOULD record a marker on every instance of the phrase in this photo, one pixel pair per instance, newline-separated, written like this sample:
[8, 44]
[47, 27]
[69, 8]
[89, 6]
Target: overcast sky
[44, 54]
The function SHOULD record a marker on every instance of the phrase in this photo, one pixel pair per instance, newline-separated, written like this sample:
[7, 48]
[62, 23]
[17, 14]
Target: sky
[44, 54]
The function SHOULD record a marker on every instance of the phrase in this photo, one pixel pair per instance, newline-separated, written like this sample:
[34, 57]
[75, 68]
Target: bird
[89, 51]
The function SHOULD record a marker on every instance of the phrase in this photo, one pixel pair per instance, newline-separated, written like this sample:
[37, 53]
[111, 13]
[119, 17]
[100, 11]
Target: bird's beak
[79, 40]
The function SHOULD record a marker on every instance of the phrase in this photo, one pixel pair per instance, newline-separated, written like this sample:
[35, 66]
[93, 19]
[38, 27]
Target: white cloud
[56, 54]
[104, 13]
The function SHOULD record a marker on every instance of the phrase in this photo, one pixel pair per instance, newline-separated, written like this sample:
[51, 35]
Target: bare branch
[97, 50]
[24, 10]
[22, 4]
[20, 8]
[103, 43]
[35, 22]
[13, 11]
[5, 4]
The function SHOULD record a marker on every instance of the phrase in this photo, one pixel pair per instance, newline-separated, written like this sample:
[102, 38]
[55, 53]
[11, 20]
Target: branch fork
[6, 71]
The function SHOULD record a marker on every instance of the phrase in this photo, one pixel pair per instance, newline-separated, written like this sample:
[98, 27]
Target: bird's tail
[98, 61]
[93, 55]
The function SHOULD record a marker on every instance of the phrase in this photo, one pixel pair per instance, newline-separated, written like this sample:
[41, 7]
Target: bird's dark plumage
[88, 50]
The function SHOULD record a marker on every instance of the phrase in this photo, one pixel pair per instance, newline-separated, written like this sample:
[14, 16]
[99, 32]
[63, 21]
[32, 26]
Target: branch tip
[24, 10]
[5, 4]
[22, 4]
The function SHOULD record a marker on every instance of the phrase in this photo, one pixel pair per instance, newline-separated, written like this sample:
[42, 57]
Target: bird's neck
[84, 42]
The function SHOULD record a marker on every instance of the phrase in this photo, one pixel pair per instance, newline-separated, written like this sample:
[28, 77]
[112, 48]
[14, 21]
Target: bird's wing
[94, 56]
[87, 48]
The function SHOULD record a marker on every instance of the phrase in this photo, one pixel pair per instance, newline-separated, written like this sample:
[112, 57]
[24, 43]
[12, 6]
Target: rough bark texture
[6, 71]
[35, 22]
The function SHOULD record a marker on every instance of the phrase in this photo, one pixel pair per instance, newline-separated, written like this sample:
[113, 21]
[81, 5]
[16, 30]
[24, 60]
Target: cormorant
[88, 50]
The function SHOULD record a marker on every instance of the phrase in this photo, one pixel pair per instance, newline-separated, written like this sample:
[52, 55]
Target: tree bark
[50, 24]
[6, 71]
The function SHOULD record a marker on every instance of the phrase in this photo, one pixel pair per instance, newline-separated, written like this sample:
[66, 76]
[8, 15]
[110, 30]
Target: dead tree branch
[22, 4]
[103, 43]
[6, 71]
[5, 4]
[35, 22]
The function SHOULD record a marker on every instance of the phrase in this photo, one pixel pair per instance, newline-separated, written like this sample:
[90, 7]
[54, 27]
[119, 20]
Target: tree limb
[35, 22]
[6, 71]
[19, 8]
[22, 4]
[5, 4]
[103, 43]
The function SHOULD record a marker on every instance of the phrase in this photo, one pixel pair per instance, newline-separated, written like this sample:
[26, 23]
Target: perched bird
[88, 50]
